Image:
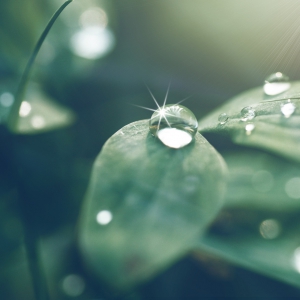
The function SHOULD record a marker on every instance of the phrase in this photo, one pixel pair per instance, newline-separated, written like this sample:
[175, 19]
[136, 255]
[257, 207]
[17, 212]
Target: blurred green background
[95, 63]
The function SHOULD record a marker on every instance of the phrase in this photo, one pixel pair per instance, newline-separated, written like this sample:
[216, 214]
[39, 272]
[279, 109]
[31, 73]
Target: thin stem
[36, 271]
[14, 114]
[31, 239]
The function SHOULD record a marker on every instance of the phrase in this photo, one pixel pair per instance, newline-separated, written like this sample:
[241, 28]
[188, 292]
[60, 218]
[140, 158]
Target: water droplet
[270, 229]
[38, 122]
[292, 188]
[104, 217]
[222, 118]
[6, 99]
[288, 109]
[73, 285]
[175, 125]
[248, 113]
[25, 109]
[276, 83]
[249, 128]
[296, 259]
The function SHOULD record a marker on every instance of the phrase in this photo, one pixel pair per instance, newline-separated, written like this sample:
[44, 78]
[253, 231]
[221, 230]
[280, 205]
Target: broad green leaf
[259, 226]
[39, 113]
[147, 203]
[272, 132]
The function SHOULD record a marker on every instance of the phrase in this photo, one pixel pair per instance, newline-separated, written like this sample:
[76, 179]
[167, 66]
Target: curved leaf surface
[38, 113]
[272, 130]
[259, 226]
[147, 203]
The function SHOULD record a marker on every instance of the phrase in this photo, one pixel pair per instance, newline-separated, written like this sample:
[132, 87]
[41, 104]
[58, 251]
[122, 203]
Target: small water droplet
[248, 113]
[25, 109]
[292, 188]
[249, 128]
[175, 125]
[222, 118]
[276, 83]
[270, 229]
[296, 259]
[6, 99]
[288, 109]
[38, 122]
[73, 285]
[104, 217]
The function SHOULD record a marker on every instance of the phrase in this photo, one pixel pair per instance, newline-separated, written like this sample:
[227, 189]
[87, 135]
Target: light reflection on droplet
[247, 113]
[288, 109]
[73, 285]
[222, 118]
[92, 42]
[174, 138]
[6, 99]
[175, 125]
[270, 229]
[262, 181]
[25, 109]
[94, 16]
[38, 122]
[292, 188]
[104, 217]
[249, 128]
[296, 259]
[276, 83]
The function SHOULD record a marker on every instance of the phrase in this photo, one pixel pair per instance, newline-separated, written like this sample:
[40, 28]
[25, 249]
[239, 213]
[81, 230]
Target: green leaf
[260, 189]
[39, 113]
[273, 132]
[160, 199]
[258, 180]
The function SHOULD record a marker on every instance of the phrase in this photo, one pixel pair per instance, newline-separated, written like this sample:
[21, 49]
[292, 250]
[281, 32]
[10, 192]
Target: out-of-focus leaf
[38, 113]
[258, 181]
[259, 226]
[158, 199]
[273, 131]
[276, 258]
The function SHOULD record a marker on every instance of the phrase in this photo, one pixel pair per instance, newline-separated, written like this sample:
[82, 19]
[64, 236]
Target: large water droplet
[175, 125]
[73, 285]
[276, 83]
[222, 118]
[248, 113]
[288, 109]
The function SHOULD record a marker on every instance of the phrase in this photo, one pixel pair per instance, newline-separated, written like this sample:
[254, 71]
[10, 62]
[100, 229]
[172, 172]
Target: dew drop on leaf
[175, 125]
[276, 83]
[223, 118]
[249, 128]
[247, 113]
[288, 109]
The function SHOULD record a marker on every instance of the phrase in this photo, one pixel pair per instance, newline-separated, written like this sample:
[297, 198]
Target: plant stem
[14, 114]
[30, 238]
[36, 271]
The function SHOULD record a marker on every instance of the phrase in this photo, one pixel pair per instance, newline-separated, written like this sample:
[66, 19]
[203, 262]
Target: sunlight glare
[174, 138]
[92, 42]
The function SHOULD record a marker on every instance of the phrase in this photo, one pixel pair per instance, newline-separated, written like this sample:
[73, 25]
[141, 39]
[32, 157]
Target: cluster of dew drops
[275, 84]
